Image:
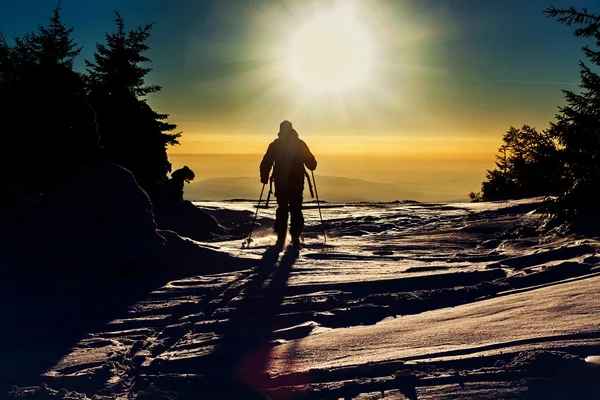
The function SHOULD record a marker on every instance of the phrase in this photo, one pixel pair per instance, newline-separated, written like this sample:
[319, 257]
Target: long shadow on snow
[237, 368]
[45, 317]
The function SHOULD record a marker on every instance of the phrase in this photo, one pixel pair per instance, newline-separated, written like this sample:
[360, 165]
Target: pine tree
[53, 44]
[49, 46]
[577, 126]
[133, 134]
[45, 108]
[527, 164]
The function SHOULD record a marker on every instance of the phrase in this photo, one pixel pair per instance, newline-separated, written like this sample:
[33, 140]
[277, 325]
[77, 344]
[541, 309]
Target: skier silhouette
[287, 155]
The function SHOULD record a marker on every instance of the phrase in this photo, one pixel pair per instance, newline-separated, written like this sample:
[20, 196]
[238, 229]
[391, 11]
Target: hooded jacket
[287, 155]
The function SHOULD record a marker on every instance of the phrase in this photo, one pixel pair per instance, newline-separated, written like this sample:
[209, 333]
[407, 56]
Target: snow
[98, 224]
[510, 323]
[404, 300]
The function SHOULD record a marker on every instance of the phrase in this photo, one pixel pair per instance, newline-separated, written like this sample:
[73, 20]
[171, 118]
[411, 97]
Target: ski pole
[270, 192]
[319, 207]
[310, 187]
[246, 243]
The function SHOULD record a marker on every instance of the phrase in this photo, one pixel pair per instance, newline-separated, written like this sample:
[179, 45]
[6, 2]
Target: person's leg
[297, 219]
[281, 215]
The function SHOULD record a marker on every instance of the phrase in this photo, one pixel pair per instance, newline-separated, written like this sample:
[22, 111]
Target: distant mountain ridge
[330, 188]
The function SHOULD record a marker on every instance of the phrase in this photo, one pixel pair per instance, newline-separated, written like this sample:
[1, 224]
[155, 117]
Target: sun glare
[330, 53]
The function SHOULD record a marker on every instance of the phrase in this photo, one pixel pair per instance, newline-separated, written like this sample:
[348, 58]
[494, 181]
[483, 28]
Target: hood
[291, 134]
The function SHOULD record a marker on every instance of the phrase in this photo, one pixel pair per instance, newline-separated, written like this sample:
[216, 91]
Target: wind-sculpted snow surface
[404, 300]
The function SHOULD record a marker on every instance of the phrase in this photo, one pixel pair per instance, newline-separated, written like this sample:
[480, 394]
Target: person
[287, 155]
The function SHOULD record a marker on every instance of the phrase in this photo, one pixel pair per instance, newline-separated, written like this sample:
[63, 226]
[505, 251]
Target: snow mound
[99, 223]
[187, 220]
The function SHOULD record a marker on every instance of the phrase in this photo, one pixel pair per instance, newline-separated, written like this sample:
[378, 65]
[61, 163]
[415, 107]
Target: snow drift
[99, 223]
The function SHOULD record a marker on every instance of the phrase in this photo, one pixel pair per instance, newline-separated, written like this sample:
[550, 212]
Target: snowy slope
[510, 323]
[405, 300]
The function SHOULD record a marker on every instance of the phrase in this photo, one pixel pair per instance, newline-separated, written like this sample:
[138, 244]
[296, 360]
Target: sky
[435, 84]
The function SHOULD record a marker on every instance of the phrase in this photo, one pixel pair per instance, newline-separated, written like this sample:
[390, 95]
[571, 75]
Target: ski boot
[296, 242]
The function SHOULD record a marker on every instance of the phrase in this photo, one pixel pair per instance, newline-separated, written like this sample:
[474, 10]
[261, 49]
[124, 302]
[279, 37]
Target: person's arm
[266, 165]
[308, 158]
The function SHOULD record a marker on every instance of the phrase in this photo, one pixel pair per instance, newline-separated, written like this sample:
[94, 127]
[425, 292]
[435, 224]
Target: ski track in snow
[405, 300]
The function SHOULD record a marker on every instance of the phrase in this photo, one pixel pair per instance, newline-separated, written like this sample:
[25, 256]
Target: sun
[330, 53]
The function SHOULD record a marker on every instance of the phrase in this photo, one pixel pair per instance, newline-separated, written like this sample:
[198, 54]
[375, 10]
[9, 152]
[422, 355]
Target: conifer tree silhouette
[53, 44]
[577, 126]
[527, 164]
[51, 129]
[133, 134]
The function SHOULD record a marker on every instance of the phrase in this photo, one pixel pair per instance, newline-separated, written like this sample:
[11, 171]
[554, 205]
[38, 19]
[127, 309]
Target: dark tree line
[565, 159]
[527, 164]
[57, 121]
